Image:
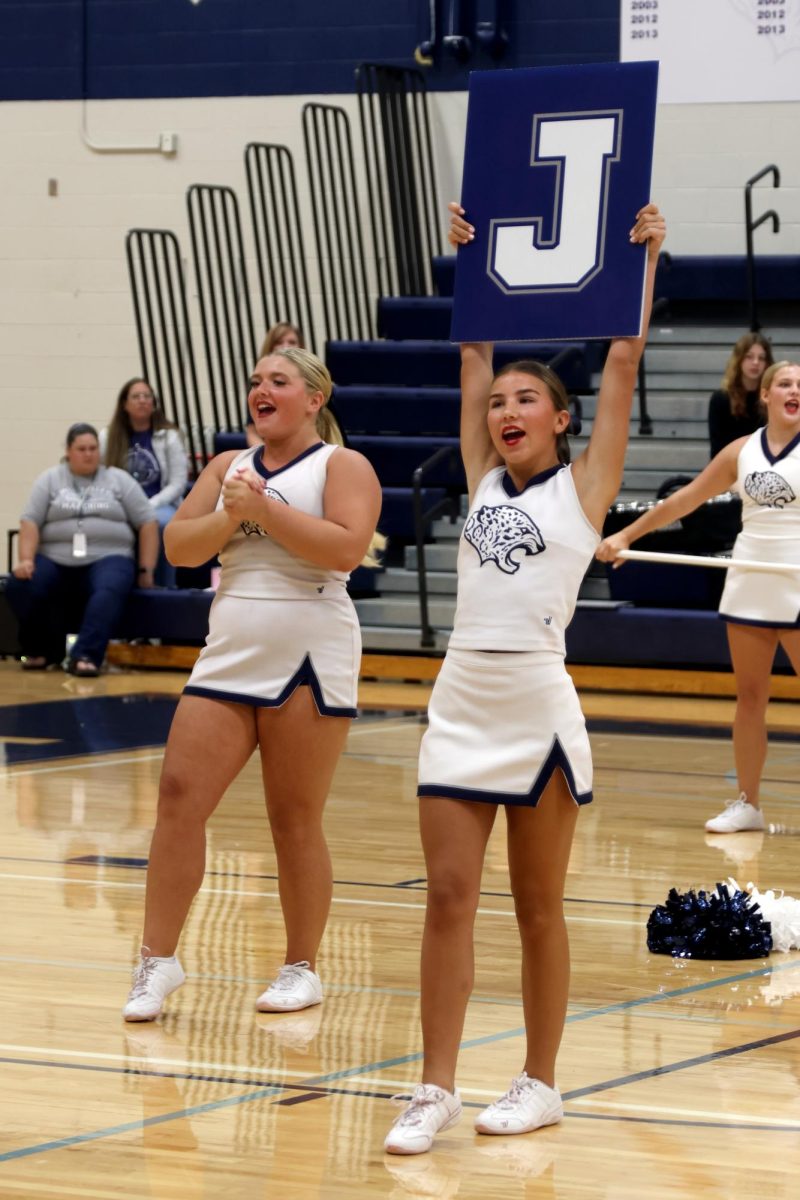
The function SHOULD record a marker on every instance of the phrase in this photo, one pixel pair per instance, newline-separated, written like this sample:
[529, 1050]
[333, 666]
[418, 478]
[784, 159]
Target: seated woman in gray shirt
[78, 556]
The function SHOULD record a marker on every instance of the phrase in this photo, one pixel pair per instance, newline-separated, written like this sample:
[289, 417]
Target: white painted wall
[67, 338]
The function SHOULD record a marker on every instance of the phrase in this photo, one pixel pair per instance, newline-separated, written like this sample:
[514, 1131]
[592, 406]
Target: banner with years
[557, 164]
[716, 51]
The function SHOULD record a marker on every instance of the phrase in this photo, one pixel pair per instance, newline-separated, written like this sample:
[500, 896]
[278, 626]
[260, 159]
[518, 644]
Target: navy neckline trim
[534, 481]
[787, 449]
[265, 471]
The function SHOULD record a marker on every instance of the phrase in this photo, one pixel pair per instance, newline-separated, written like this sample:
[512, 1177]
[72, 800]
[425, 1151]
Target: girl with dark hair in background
[141, 441]
[735, 410]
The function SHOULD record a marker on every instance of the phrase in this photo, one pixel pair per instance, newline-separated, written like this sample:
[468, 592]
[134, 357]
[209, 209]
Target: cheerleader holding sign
[505, 726]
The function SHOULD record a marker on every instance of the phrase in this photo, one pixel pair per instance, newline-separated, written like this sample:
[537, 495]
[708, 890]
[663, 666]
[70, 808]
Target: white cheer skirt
[258, 651]
[499, 725]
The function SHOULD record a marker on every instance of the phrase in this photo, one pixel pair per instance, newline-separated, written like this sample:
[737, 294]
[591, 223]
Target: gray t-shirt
[106, 508]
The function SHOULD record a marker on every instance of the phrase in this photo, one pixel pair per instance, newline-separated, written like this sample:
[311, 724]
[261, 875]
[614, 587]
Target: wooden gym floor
[681, 1078]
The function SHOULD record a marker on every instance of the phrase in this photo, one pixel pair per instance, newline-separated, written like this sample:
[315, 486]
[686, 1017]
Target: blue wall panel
[152, 48]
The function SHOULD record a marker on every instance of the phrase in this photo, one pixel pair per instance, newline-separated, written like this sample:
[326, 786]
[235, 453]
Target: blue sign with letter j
[557, 164]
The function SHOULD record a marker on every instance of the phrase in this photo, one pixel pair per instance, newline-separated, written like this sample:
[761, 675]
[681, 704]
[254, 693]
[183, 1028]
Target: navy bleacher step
[423, 363]
[397, 512]
[444, 273]
[723, 277]
[415, 317]
[604, 633]
[692, 277]
[398, 410]
[395, 459]
[229, 440]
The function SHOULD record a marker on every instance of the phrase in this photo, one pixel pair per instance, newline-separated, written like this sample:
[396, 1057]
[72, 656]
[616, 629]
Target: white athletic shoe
[153, 980]
[430, 1110]
[528, 1104]
[295, 987]
[736, 816]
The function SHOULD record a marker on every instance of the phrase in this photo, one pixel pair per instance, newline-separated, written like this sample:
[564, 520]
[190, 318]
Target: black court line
[682, 1065]
[675, 729]
[408, 885]
[305, 1092]
[587, 1116]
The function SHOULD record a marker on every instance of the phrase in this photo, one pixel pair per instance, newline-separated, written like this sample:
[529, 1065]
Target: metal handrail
[645, 421]
[421, 522]
[750, 227]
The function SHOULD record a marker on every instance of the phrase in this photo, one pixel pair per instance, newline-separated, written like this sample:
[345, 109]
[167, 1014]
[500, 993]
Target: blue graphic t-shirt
[143, 464]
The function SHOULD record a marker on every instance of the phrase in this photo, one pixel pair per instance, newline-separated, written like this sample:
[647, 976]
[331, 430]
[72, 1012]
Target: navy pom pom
[719, 924]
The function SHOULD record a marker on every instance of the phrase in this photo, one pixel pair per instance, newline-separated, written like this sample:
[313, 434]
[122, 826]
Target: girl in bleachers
[735, 410]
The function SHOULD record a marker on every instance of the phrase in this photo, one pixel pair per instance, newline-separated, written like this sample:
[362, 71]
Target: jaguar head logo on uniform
[497, 532]
[768, 488]
[248, 527]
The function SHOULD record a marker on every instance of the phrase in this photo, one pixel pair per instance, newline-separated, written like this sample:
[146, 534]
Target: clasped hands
[243, 495]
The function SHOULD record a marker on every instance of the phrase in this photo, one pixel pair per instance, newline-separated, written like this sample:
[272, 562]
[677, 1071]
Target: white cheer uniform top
[254, 565]
[769, 486]
[521, 559]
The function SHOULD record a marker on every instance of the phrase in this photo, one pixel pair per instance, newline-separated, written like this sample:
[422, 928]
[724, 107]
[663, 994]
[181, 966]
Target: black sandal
[33, 662]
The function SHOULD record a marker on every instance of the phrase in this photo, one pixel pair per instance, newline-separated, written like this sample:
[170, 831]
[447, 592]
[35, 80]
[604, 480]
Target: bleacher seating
[427, 363]
[690, 278]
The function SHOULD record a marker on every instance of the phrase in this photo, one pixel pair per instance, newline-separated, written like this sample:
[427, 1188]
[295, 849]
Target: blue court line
[132, 1126]
[306, 1092]
[407, 1058]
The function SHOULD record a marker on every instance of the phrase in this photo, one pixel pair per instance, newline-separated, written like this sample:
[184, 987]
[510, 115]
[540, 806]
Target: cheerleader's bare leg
[539, 843]
[752, 654]
[299, 753]
[454, 838]
[209, 743]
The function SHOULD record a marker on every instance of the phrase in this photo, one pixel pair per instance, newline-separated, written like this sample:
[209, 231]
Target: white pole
[703, 560]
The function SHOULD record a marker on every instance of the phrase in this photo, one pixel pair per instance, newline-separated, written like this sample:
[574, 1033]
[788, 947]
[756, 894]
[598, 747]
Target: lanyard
[83, 498]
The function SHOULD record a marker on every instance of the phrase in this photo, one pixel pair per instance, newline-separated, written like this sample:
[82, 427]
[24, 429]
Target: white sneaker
[430, 1110]
[296, 986]
[153, 980]
[737, 815]
[528, 1104]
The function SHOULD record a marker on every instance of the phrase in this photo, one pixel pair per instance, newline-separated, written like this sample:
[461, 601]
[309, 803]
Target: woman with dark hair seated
[77, 553]
[735, 410]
